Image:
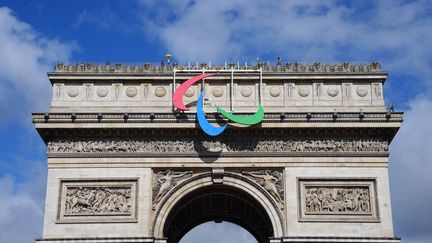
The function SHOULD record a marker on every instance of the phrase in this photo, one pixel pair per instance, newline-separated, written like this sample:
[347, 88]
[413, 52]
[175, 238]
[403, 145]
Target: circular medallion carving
[246, 92]
[303, 91]
[102, 92]
[160, 91]
[73, 92]
[275, 91]
[189, 92]
[131, 92]
[217, 91]
[362, 91]
[332, 91]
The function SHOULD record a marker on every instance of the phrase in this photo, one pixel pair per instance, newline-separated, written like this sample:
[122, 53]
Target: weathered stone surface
[291, 87]
[97, 200]
[123, 166]
[338, 200]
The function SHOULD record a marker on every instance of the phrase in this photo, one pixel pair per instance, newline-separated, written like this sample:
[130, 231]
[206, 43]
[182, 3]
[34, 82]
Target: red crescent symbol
[178, 94]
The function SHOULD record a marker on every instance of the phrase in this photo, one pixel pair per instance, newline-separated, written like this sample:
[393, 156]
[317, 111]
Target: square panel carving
[324, 199]
[99, 200]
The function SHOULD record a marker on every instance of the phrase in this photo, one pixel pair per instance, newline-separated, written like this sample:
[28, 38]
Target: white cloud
[411, 173]
[21, 217]
[395, 32]
[25, 57]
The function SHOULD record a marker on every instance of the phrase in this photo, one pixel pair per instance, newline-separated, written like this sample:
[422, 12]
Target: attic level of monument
[127, 164]
[279, 88]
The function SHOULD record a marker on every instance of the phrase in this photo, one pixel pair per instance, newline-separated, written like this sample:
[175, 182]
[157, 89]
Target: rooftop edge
[146, 67]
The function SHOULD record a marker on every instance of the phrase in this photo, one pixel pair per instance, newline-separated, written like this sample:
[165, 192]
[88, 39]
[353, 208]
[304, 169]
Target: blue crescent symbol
[205, 125]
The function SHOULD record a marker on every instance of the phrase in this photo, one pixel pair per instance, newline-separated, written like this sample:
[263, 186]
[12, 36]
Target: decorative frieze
[170, 145]
[337, 200]
[97, 200]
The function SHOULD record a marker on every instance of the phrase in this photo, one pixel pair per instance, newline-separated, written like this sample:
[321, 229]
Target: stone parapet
[267, 67]
[280, 88]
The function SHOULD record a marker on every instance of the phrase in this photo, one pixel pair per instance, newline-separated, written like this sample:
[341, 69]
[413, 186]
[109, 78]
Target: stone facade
[125, 166]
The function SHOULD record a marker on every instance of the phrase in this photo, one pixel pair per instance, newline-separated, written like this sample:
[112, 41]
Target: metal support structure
[231, 71]
[260, 86]
[232, 91]
[173, 89]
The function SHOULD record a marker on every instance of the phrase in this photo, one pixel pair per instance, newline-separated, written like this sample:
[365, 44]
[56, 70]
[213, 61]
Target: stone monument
[125, 165]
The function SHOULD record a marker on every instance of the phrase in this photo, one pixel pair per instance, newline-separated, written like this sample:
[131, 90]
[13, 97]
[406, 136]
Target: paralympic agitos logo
[202, 121]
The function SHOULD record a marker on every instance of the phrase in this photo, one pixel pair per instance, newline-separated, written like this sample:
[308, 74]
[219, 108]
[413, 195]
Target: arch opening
[217, 203]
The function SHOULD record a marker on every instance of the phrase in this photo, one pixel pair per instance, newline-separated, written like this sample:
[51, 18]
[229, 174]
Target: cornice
[182, 118]
[224, 154]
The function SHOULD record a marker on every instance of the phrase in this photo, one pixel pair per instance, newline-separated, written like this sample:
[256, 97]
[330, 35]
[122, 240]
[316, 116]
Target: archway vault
[236, 199]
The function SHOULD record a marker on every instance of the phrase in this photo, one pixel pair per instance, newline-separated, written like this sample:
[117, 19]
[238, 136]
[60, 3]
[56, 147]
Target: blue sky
[34, 35]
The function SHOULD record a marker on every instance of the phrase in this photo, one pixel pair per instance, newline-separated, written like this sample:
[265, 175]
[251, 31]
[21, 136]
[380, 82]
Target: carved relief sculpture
[170, 145]
[97, 200]
[165, 180]
[338, 200]
[271, 180]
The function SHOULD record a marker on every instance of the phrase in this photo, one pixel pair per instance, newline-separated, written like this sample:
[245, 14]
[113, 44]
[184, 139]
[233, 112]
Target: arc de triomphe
[124, 165]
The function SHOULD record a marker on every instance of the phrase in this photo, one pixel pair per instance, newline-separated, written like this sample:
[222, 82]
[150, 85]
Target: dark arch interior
[218, 203]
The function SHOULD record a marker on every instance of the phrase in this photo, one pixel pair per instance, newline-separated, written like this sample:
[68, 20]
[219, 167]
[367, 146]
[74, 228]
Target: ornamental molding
[312, 117]
[266, 67]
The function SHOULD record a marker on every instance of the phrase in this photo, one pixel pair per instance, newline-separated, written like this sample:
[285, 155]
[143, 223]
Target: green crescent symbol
[246, 120]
